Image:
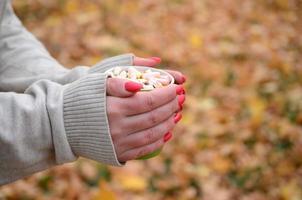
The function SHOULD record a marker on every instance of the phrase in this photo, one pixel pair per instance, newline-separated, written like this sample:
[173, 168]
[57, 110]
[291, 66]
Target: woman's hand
[140, 122]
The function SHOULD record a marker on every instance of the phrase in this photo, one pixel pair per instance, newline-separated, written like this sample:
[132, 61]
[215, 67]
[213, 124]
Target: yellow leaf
[291, 191]
[283, 4]
[129, 7]
[257, 107]
[104, 193]
[203, 171]
[132, 182]
[221, 164]
[53, 20]
[206, 104]
[71, 7]
[196, 40]
[95, 59]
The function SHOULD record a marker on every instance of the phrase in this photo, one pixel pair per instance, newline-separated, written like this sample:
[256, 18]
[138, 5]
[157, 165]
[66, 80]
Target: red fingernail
[180, 90]
[133, 87]
[157, 59]
[183, 79]
[180, 108]
[167, 136]
[177, 117]
[181, 99]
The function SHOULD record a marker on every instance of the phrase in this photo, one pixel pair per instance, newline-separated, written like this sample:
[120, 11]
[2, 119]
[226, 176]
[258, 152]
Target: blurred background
[241, 134]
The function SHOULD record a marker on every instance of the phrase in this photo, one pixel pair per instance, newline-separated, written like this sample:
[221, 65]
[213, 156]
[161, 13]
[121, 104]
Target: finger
[178, 76]
[122, 87]
[149, 62]
[148, 136]
[141, 151]
[150, 119]
[147, 101]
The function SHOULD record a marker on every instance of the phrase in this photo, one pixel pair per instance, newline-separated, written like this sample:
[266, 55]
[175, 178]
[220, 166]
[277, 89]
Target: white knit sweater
[49, 115]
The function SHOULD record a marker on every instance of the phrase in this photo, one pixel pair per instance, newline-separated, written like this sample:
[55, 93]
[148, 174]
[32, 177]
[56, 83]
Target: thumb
[119, 87]
[150, 62]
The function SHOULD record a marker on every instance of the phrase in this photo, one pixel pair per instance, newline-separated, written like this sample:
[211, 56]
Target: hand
[140, 122]
[153, 61]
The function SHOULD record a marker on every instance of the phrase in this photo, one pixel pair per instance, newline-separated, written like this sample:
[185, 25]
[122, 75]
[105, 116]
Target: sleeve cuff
[85, 119]
[101, 67]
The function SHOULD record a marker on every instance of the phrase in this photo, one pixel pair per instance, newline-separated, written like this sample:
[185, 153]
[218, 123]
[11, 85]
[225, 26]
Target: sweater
[49, 115]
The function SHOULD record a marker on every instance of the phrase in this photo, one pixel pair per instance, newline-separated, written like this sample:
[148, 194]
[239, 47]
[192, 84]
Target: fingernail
[181, 99]
[180, 90]
[177, 117]
[183, 79]
[157, 59]
[180, 108]
[167, 136]
[133, 87]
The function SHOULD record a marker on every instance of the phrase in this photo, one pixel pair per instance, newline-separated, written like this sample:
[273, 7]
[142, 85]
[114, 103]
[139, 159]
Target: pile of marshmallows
[148, 78]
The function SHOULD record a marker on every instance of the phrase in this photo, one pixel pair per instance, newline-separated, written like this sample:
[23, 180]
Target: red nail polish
[183, 79]
[167, 136]
[133, 87]
[181, 99]
[177, 117]
[157, 59]
[179, 90]
[180, 108]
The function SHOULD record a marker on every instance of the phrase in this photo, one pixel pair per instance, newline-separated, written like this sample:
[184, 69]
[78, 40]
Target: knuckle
[136, 143]
[152, 117]
[149, 101]
[128, 106]
[149, 136]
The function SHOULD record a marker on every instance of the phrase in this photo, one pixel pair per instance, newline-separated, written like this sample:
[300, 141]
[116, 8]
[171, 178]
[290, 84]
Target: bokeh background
[241, 135]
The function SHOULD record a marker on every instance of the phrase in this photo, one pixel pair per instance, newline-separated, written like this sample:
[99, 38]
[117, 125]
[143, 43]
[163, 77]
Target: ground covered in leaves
[241, 135]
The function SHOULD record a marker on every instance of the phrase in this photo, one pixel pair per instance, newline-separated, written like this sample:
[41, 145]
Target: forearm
[52, 124]
[30, 126]
[24, 60]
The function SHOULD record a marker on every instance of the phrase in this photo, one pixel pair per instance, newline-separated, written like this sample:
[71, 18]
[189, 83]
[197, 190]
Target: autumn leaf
[291, 191]
[132, 182]
[104, 193]
[195, 40]
[221, 164]
[240, 134]
[72, 7]
[257, 108]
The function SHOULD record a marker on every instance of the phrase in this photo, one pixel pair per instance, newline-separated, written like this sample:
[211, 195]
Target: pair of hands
[141, 122]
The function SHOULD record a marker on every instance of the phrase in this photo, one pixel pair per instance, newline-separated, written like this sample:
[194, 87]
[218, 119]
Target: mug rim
[145, 68]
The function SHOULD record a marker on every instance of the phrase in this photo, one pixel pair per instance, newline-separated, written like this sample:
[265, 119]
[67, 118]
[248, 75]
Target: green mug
[150, 155]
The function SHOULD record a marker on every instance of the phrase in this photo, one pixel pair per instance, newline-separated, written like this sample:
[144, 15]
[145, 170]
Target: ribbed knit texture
[46, 118]
[124, 59]
[85, 119]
